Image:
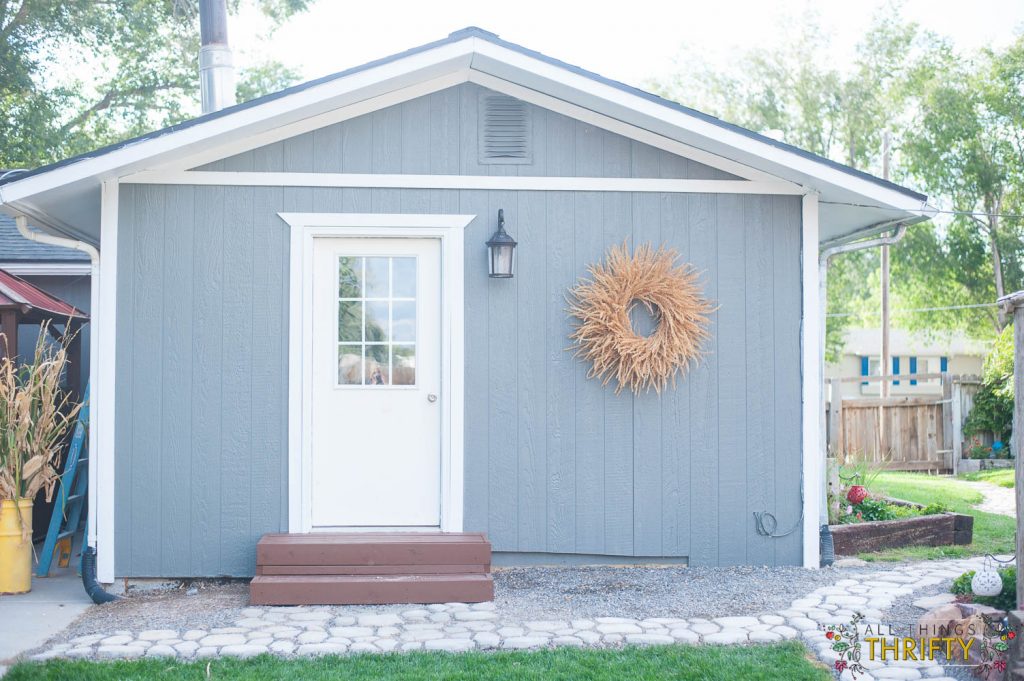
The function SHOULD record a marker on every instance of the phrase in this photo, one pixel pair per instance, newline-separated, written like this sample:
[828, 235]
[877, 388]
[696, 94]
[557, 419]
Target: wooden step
[452, 569]
[342, 568]
[369, 589]
[372, 548]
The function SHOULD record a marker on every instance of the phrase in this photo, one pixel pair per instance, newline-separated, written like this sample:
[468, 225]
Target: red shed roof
[16, 293]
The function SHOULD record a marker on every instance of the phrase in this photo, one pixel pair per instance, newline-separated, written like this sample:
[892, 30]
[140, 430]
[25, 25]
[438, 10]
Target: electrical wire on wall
[766, 523]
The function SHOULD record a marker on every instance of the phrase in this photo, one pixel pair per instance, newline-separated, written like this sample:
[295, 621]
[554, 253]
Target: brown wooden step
[369, 589]
[452, 569]
[372, 548]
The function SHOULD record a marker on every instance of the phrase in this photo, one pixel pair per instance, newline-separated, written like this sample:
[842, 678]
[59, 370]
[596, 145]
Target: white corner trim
[47, 269]
[102, 409]
[305, 227]
[811, 347]
[484, 182]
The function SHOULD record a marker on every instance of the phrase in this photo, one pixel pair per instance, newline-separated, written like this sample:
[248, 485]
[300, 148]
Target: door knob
[431, 397]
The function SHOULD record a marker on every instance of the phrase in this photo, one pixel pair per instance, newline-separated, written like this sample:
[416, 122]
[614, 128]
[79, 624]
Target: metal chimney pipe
[216, 67]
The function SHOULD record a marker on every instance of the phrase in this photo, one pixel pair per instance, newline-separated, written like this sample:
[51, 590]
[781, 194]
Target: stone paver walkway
[457, 627]
[1000, 500]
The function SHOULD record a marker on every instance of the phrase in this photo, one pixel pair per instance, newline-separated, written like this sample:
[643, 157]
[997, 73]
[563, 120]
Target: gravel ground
[566, 592]
[205, 604]
[527, 593]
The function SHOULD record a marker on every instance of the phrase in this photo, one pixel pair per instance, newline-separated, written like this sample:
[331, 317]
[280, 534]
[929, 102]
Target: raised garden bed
[940, 529]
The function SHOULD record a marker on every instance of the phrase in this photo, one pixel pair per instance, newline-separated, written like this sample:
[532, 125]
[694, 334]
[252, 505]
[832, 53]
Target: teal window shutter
[895, 369]
[913, 370]
[943, 364]
[864, 369]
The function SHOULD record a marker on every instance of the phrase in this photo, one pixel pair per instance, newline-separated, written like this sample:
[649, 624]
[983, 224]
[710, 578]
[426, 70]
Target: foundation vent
[504, 130]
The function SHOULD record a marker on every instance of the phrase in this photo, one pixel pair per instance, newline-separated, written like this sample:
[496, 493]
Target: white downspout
[900, 229]
[94, 305]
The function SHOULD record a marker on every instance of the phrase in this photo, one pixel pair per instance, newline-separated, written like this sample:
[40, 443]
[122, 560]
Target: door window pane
[404, 277]
[403, 321]
[350, 321]
[376, 320]
[403, 360]
[350, 276]
[377, 277]
[350, 364]
[376, 363]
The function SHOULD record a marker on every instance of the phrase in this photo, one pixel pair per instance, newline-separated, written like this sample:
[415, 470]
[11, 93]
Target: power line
[966, 213]
[920, 309]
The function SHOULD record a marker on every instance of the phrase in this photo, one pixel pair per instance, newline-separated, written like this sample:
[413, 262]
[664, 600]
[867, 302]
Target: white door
[376, 416]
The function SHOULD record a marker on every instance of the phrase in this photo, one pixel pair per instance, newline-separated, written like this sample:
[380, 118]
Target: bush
[872, 509]
[993, 404]
[1005, 600]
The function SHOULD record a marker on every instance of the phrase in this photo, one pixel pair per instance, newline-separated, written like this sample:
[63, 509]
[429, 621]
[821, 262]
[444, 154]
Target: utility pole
[886, 363]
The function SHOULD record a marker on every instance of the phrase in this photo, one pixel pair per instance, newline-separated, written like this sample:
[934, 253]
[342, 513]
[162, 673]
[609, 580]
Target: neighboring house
[910, 353]
[219, 410]
[61, 272]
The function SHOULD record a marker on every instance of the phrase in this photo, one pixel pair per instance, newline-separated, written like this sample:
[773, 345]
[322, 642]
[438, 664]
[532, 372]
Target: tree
[967, 147]
[797, 93]
[958, 134]
[142, 60]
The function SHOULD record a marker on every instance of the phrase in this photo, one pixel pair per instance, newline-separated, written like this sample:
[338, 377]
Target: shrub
[1005, 600]
[934, 508]
[875, 509]
[993, 404]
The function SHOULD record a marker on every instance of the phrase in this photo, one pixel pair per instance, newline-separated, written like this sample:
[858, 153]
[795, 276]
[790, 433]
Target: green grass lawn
[997, 476]
[680, 663]
[992, 533]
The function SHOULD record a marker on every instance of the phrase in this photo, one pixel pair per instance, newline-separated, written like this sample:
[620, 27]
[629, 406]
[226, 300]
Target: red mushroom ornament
[856, 494]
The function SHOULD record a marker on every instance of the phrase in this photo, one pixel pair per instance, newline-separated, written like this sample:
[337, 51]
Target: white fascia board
[46, 269]
[317, 99]
[514, 66]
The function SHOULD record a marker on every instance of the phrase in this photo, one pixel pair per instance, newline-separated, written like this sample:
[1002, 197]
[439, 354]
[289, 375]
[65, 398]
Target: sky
[632, 41]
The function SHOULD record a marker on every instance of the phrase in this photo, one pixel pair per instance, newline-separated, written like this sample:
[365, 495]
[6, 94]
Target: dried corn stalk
[605, 335]
[35, 418]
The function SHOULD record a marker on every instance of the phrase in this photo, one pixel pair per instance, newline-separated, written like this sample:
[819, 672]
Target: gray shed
[297, 331]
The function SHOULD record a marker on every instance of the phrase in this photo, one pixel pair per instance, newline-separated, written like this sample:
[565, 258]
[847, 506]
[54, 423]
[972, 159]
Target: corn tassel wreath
[605, 336]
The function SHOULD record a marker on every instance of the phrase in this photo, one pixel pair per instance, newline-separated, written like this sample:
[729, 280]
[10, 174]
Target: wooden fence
[907, 433]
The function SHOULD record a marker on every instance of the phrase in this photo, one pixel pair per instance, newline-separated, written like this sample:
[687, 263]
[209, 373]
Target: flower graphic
[845, 640]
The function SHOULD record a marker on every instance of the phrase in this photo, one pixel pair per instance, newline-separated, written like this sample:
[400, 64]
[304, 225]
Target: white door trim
[305, 227]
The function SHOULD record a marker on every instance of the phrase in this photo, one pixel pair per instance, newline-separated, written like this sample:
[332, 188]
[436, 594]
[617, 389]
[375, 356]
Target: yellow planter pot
[15, 549]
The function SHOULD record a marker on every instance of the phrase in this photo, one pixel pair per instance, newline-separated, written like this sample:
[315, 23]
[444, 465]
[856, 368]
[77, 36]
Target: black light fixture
[501, 252]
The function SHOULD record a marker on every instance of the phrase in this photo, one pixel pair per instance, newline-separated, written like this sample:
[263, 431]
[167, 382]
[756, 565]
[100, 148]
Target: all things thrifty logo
[981, 643]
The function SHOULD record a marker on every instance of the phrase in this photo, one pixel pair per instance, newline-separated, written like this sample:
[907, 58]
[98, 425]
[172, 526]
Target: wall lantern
[501, 252]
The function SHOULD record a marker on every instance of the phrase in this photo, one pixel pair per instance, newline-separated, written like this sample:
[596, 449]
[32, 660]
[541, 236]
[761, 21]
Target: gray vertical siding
[75, 290]
[553, 462]
[437, 134]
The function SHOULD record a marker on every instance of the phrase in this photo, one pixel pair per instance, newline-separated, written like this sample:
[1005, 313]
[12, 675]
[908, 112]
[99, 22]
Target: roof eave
[463, 51]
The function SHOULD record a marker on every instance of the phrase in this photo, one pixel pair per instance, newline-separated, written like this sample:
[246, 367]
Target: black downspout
[92, 587]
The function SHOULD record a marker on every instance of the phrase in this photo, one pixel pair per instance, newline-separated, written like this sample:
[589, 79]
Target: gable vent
[504, 130]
